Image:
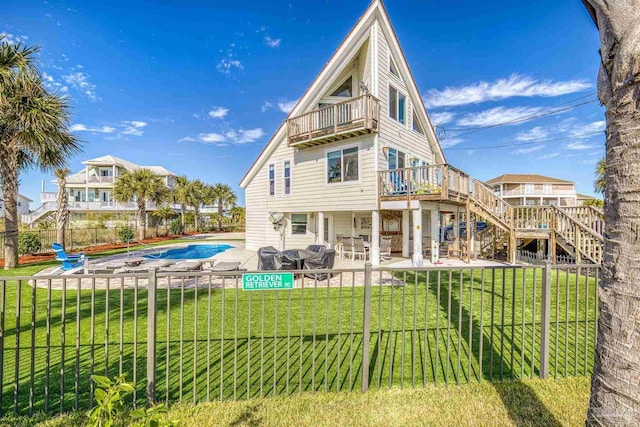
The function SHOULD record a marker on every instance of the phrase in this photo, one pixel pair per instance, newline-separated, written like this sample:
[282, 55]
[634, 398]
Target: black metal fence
[199, 336]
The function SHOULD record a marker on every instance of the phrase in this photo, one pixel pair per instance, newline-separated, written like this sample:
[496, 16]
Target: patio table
[298, 255]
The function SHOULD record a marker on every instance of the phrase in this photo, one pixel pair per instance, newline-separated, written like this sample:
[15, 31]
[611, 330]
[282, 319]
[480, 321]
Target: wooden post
[335, 119]
[470, 229]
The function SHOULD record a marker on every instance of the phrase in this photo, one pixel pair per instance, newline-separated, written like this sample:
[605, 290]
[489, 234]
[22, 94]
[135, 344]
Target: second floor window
[272, 180]
[547, 188]
[397, 105]
[396, 159]
[342, 165]
[529, 189]
[287, 177]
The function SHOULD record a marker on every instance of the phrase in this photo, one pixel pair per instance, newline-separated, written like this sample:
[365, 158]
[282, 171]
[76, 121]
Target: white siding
[257, 218]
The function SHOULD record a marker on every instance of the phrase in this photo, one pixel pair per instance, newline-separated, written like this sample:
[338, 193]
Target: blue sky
[200, 87]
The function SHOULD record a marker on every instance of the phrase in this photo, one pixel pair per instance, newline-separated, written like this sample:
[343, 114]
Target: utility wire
[487, 147]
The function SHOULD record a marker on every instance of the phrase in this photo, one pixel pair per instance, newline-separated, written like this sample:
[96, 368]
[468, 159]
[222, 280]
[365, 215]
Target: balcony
[100, 179]
[347, 119]
[433, 182]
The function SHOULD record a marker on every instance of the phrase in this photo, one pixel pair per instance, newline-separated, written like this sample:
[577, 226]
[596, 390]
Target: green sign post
[267, 281]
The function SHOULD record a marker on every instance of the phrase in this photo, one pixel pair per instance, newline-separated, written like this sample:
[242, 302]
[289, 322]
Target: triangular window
[416, 124]
[345, 90]
[393, 69]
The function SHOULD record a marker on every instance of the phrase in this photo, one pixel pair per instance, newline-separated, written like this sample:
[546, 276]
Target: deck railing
[533, 217]
[432, 181]
[198, 336]
[487, 199]
[355, 114]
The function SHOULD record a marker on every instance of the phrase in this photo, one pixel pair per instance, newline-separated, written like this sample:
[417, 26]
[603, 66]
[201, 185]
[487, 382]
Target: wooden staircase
[583, 242]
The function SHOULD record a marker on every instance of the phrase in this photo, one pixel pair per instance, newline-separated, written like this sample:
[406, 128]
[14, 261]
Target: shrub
[29, 243]
[125, 233]
[176, 226]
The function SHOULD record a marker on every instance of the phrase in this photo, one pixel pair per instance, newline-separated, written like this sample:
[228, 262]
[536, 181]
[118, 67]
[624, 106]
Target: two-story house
[357, 143]
[531, 189]
[23, 205]
[91, 189]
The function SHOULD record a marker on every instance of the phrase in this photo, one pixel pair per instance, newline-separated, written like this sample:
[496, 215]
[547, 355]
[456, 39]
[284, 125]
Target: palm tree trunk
[220, 211]
[142, 219]
[182, 214]
[9, 173]
[615, 384]
[196, 212]
[62, 215]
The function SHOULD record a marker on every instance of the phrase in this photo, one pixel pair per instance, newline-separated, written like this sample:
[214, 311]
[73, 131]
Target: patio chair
[454, 248]
[323, 261]
[347, 247]
[385, 247]
[284, 262]
[316, 249]
[359, 249]
[266, 258]
[69, 262]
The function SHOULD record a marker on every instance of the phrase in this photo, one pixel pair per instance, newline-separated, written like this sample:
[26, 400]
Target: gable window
[393, 69]
[272, 180]
[342, 165]
[397, 105]
[298, 223]
[287, 177]
[416, 123]
[345, 90]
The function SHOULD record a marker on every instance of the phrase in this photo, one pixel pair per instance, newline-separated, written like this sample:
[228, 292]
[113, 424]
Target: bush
[125, 233]
[176, 226]
[29, 243]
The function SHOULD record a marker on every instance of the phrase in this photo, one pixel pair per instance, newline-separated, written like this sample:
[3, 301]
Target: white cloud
[218, 112]
[441, 117]
[79, 127]
[579, 145]
[450, 142]
[287, 106]
[133, 127]
[528, 149]
[514, 85]
[266, 106]
[13, 38]
[46, 77]
[226, 65]
[231, 136]
[582, 130]
[271, 42]
[498, 115]
[547, 156]
[534, 134]
[80, 80]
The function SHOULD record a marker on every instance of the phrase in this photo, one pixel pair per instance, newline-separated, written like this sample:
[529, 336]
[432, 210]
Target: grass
[225, 344]
[561, 402]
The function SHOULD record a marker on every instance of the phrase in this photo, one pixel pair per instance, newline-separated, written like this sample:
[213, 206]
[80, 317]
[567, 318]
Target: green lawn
[561, 402]
[225, 344]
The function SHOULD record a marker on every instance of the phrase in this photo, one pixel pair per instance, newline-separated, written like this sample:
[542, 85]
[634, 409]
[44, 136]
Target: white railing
[521, 192]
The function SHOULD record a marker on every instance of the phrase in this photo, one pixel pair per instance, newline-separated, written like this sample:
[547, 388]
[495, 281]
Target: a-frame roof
[347, 49]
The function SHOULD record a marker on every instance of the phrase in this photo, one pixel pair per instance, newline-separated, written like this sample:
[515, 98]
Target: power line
[526, 118]
[487, 147]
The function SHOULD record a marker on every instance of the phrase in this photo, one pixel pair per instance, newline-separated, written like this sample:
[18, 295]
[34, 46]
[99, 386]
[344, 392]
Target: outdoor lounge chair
[144, 267]
[223, 266]
[321, 261]
[183, 266]
[69, 262]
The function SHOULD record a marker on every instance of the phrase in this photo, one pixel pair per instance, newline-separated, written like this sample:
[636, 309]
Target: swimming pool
[190, 252]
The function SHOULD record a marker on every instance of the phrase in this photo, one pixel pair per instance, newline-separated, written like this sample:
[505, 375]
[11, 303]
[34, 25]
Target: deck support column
[320, 235]
[435, 233]
[405, 233]
[375, 238]
[417, 259]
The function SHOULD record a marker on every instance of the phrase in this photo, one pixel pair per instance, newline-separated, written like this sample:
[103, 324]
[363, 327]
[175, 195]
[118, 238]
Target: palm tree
[181, 194]
[599, 183]
[596, 203]
[615, 383]
[142, 186]
[238, 215]
[165, 213]
[62, 214]
[34, 132]
[224, 197]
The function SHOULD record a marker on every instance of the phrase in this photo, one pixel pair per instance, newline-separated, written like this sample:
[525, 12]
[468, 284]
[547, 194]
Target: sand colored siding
[393, 133]
[257, 218]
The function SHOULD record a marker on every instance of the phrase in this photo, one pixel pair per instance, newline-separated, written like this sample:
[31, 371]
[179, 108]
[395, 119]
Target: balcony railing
[100, 179]
[433, 182]
[521, 192]
[353, 117]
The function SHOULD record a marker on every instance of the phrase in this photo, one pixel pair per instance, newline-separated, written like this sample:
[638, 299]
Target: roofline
[550, 180]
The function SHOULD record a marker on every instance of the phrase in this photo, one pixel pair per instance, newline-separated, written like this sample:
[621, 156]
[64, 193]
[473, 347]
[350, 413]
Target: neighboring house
[356, 127]
[91, 189]
[530, 190]
[23, 205]
[582, 198]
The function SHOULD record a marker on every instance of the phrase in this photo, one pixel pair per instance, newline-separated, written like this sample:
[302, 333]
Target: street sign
[267, 281]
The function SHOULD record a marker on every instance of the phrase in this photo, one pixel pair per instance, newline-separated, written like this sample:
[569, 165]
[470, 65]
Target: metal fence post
[366, 326]
[545, 321]
[151, 336]
[71, 238]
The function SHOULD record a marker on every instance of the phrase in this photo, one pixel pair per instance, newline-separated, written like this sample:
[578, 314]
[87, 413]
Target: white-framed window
[299, 223]
[393, 68]
[106, 172]
[286, 177]
[396, 159]
[272, 180]
[529, 189]
[547, 188]
[416, 124]
[342, 165]
[397, 105]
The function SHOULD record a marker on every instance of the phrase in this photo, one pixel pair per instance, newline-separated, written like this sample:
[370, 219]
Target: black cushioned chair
[267, 258]
[321, 261]
[284, 261]
[316, 249]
